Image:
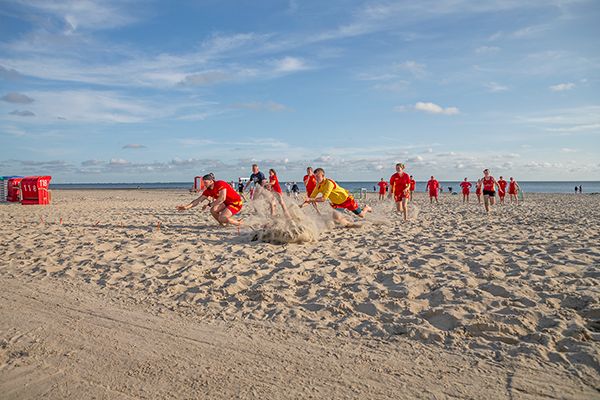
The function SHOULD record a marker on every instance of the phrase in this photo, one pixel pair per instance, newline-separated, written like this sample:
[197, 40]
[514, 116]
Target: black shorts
[490, 193]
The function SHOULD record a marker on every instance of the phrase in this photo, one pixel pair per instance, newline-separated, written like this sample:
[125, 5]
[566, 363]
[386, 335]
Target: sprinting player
[466, 190]
[257, 180]
[433, 186]
[400, 189]
[275, 188]
[513, 190]
[382, 188]
[310, 183]
[478, 191]
[224, 201]
[338, 197]
[489, 190]
[413, 185]
[501, 189]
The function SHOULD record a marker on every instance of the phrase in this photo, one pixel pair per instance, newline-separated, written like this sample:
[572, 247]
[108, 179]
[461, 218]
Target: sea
[526, 186]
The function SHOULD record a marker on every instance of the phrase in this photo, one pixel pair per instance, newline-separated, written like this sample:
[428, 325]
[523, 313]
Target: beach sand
[116, 294]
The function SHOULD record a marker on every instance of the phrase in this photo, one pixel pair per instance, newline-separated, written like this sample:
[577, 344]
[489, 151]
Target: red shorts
[382, 192]
[466, 192]
[501, 193]
[234, 208]
[349, 204]
[511, 192]
[400, 196]
[433, 194]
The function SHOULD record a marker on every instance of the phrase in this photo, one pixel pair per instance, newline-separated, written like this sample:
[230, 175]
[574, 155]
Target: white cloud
[568, 150]
[261, 106]
[487, 49]
[561, 87]
[134, 146]
[118, 162]
[495, 87]
[290, 64]
[433, 108]
[418, 70]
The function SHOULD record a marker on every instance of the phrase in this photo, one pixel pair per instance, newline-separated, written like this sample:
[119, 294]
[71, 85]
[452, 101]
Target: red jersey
[413, 185]
[512, 187]
[466, 187]
[488, 184]
[274, 182]
[382, 186]
[310, 182]
[502, 186]
[400, 183]
[478, 188]
[231, 197]
[433, 186]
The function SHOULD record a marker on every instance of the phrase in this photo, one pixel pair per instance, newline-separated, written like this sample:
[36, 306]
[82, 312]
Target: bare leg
[225, 217]
[365, 210]
[486, 201]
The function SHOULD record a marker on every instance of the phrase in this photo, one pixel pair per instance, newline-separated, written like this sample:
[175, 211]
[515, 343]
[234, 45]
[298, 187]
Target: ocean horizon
[353, 186]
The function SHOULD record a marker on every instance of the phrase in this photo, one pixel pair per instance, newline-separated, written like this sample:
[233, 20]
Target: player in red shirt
[466, 190]
[501, 189]
[275, 188]
[489, 185]
[310, 183]
[382, 188]
[434, 187]
[513, 190]
[224, 201]
[413, 185]
[478, 190]
[400, 189]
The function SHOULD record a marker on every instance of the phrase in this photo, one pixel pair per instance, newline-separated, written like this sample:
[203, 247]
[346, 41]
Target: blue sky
[145, 91]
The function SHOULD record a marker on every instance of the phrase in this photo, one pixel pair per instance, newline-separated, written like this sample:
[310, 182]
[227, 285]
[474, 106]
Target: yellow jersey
[331, 191]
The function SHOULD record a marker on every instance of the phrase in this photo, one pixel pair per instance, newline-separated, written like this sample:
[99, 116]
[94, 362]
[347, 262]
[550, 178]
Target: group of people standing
[224, 201]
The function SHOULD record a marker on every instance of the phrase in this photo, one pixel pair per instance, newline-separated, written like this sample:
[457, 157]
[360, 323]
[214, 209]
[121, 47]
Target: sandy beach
[114, 294]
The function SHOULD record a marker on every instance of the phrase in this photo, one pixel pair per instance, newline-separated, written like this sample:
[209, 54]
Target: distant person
[450, 189]
[478, 190]
[310, 182]
[338, 197]
[580, 189]
[275, 188]
[501, 189]
[295, 189]
[400, 189]
[413, 185]
[257, 180]
[224, 202]
[382, 188]
[513, 190]
[466, 190]
[288, 188]
[489, 190]
[576, 189]
[433, 187]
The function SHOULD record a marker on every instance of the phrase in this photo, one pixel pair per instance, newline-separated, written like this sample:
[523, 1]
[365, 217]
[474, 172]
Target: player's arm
[324, 194]
[219, 200]
[193, 204]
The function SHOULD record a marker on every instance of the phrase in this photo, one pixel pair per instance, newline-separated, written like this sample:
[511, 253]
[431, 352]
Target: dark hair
[273, 171]
[254, 165]
[209, 177]
[319, 170]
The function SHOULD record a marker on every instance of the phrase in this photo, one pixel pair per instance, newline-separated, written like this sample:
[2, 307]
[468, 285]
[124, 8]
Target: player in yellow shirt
[338, 197]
